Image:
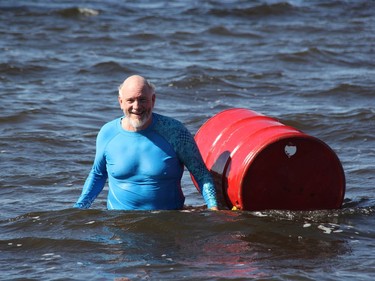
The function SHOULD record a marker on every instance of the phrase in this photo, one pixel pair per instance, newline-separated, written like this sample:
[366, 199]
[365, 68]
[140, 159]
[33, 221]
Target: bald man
[143, 154]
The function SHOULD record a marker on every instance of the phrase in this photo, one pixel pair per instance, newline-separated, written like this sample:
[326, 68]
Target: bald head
[136, 83]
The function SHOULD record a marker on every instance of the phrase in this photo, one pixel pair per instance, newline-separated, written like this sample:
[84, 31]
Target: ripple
[264, 10]
[77, 11]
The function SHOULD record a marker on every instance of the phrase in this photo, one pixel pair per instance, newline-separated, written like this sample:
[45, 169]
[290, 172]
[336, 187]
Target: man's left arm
[192, 159]
[187, 151]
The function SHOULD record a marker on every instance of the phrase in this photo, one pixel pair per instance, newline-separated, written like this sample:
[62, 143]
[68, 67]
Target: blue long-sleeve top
[144, 168]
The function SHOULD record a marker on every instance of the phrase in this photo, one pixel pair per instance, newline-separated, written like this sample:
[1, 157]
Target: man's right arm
[97, 177]
[94, 184]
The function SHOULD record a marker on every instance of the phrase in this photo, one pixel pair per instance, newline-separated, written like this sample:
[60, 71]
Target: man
[143, 154]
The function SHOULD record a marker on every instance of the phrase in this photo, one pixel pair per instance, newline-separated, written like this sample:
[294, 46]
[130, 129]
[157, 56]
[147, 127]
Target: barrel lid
[294, 173]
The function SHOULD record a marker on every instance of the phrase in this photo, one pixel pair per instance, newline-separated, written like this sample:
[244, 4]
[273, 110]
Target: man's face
[137, 103]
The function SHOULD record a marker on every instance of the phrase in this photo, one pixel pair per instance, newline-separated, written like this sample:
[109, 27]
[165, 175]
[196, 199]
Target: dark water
[311, 64]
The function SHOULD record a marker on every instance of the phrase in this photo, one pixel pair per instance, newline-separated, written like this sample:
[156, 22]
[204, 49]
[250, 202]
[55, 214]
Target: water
[308, 63]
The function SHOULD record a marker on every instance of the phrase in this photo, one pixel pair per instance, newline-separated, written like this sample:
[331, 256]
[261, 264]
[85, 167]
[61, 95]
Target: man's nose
[136, 104]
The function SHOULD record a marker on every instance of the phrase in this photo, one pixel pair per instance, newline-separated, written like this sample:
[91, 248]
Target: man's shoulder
[110, 125]
[168, 122]
[109, 128]
[173, 131]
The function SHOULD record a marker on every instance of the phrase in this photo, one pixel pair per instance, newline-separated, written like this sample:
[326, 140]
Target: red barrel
[259, 163]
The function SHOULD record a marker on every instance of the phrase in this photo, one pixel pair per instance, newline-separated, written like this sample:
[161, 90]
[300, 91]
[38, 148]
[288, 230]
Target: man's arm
[187, 151]
[94, 184]
[97, 177]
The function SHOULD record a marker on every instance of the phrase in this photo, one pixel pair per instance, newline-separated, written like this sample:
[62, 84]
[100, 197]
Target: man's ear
[120, 101]
[153, 100]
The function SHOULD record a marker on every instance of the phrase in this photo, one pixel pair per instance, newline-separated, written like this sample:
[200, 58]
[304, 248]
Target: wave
[214, 79]
[35, 10]
[77, 12]
[333, 56]
[105, 69]
[23, 115]
[75, 219]
[224, 31]
[307, 55]
[342, 132]
[350, 89]
[351, 208]
[263, 10]
[109, 67]
[18, 10]
[18, 69]
[200, 244]
[344, 114]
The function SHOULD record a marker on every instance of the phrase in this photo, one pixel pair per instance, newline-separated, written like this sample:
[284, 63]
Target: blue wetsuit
[144, 168]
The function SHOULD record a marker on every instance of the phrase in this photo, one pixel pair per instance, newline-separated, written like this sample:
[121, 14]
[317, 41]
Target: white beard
[139, 123]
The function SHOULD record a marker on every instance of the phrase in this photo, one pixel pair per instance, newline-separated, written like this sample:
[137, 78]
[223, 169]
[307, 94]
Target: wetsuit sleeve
[97, 177]
[192, 159]
[188, 153]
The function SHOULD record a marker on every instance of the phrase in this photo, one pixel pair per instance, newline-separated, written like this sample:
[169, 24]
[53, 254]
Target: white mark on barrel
[290, 150]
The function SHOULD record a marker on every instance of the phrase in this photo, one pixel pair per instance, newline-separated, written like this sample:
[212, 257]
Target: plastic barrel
[259, 163]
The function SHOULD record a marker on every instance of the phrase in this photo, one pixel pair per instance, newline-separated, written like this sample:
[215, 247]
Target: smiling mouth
[138, 114]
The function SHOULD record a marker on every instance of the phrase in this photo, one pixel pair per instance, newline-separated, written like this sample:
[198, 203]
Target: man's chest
[146, 156]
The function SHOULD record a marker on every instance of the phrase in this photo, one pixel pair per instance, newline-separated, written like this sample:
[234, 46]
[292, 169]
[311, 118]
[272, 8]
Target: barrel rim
[225, 111]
